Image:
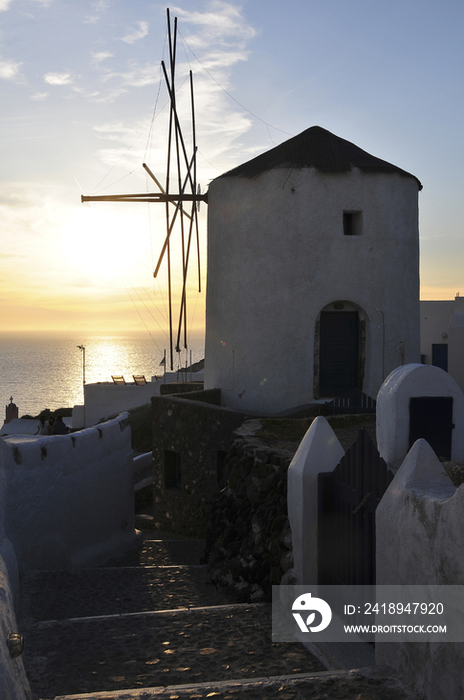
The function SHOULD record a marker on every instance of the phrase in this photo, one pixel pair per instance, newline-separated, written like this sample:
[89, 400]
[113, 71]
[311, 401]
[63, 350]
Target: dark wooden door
[431, 418]
[440, 355]
[339, 342]
[348, 498]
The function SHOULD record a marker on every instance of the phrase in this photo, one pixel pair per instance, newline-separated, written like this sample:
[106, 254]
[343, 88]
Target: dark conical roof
[316, 148]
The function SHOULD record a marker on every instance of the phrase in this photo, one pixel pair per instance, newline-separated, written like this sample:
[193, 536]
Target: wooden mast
[188, 192]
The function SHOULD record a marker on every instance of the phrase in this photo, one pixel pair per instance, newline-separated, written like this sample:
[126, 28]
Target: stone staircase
[152, 627]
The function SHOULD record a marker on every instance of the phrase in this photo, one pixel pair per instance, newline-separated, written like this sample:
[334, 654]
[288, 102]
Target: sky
[83, 104]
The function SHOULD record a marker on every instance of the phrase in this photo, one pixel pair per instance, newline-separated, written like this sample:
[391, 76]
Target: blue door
[431, 418]
[339, 344]
[440, 355]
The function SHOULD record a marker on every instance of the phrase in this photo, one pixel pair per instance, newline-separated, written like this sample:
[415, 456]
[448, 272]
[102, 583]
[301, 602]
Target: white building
[442, 336]
[105, 399]
[313, 274]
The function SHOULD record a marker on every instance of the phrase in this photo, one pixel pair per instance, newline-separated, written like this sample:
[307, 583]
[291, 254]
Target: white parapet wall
[319, 451]
[13, 680]
[420, 541]
[69, 498]
[20, 426]
[105, 399]
[14, 684]
[393, 412]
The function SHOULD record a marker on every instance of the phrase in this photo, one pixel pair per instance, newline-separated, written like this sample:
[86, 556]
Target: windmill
[181, 207]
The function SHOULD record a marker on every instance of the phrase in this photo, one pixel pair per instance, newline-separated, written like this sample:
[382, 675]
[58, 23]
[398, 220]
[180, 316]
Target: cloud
[139, 33]
[38, 96]
[98, 7]
[218, 38]
[58, 78]
[101, 56]
[223, 35]
[222, 22]
[223, 59]
[123, 135]
[4, 5]
[136, 76]
[86, 92]
[9, 70]
[101, 5]
[110, 95]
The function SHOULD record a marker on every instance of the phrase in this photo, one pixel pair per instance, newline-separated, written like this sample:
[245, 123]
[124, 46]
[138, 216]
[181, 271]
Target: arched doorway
[341, 349]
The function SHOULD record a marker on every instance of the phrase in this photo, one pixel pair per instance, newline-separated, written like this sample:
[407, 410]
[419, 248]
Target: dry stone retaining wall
[198, 434]
[248, 539]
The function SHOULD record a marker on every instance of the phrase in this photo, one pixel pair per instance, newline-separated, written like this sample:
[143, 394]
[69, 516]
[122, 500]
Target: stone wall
[248, 540]
[190, 442]
[180, 388]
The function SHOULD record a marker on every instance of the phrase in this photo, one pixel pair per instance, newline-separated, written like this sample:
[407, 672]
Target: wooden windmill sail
[181, 206]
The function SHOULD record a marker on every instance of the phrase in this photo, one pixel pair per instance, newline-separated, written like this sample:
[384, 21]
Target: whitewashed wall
[442, 322]
[106, 399]
[419, 522]
[393, 409]
[69, 498]
[434, 325]
[456, 346]
[319, 451]
[65, 501]
[277, 256]
[14, 684]
[13, 680]
[420, 540]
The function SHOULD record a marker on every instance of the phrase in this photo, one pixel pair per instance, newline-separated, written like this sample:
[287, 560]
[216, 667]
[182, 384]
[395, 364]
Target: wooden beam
[150, 197]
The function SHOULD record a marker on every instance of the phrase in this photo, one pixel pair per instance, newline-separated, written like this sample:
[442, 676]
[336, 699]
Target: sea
[41, 370]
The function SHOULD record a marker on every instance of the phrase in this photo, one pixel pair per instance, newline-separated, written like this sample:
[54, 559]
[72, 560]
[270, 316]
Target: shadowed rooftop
[316, 148]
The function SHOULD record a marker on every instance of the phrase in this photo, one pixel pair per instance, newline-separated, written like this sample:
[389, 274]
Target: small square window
[352, 223]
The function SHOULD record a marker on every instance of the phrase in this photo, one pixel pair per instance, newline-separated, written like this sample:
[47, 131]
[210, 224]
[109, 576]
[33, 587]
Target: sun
[108, 243]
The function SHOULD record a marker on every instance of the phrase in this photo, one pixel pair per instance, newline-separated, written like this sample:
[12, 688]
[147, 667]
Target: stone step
[158, 649]
[358, 684]
[156, 552]
[56, 595]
